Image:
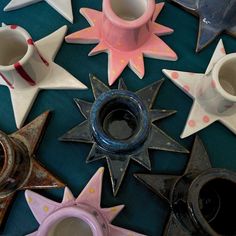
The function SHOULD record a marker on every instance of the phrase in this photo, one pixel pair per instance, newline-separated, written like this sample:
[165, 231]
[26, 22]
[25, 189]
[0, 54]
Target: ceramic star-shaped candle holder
[82, 215]
[19, 168]
[27, 67]
[215, 17]
[119, 125]
[202, 200]
[214, 92]
[127, 31]
[64, 7]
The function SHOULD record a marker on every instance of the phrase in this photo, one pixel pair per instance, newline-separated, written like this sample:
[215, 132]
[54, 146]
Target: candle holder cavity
[214, 92]
[19, 169]
[119, 125]
[126, 31]
[202, 200]
[215, 17]
[26, 67]
[62, 7]
[83, 215]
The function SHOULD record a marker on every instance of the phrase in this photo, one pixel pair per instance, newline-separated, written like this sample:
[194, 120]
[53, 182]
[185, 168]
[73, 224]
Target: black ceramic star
[19, 168]
[119, 125]
[202, 200]
[214, 16]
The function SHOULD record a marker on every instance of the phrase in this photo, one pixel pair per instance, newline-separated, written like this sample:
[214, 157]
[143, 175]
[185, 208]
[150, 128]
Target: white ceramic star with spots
[26, 67]
[213, 92]
[64, 7]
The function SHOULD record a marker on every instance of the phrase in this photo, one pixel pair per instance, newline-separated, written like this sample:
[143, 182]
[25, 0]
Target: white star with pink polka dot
[64, 7]
[213, 92]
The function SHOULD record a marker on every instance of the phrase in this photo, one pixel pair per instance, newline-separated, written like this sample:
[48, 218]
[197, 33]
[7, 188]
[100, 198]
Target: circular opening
[118, 120]
[227, 76]
[70, 226]
[2, 157]
[13, 47]
[129, 10]
[218, 205]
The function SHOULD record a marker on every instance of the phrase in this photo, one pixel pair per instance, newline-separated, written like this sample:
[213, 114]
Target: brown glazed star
[18, 167]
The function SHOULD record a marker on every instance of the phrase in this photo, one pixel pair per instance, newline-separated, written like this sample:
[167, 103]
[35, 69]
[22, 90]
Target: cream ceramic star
[23, 95]
[64, 7]
[201, 117]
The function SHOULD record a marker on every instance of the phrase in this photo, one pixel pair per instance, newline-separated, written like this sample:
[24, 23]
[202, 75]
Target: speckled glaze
[93, 220]
[19, 168]
[119, 125]
[127, 32]
[215, 17]
[202, 200]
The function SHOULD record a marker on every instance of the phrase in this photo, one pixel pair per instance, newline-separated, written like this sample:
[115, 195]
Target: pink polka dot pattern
[13, 26]
[205, 119]
[222, 50]
[192, 123]
[213, 84]
[186, 88]
[174, 75]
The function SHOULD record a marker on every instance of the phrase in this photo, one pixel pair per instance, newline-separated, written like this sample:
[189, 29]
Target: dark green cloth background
[144, 211]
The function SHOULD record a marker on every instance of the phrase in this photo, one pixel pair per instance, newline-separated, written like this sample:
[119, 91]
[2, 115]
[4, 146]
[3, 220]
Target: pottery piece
[214, 93]
[119, 125]
[202, 200]
[26, 67]
[83, 214]
[63, 7]
[18, 167]
[215, 17]
[126, 31]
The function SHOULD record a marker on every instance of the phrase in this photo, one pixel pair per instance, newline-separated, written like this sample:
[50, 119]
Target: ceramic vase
[126, 30]
[27, 66]
[82, 215]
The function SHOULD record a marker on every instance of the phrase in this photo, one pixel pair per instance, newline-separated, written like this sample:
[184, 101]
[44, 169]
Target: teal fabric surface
[144, 212]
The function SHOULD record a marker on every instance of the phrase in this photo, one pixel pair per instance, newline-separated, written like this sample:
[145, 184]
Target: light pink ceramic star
[125, 44]
[83, 214]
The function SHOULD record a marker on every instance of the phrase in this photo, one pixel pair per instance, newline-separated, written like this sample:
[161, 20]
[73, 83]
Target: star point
[63, 7]
[192, 84]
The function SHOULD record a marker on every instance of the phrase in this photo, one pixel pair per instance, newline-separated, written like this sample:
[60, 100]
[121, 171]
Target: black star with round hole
[202, 200]
[214, 18]
[119, 125]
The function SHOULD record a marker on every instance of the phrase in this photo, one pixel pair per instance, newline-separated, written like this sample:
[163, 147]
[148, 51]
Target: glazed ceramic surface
[126, 31]
[19, 168]
[214, 92]
[62, 6]
[202, 200]
[27, 67]
[119, 125]
[215, 17]
[83, 214]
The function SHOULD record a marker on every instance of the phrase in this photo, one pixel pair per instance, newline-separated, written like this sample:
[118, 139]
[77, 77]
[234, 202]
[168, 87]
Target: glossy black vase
[202, 200]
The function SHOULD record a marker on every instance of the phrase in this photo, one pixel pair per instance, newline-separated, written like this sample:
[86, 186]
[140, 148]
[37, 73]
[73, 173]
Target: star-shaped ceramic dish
[119, 125]
[202, 200]
[214, 93]
[64, 7]
[215, 17]
[19, 167]
[126, 33]
[83, 214]
[27, 67]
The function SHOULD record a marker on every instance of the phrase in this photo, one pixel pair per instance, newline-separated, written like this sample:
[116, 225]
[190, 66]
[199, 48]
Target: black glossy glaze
[119, 125]
[215, 16]
[202, 200]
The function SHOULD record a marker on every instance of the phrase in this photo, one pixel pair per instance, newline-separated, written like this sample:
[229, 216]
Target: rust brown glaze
[19, 168]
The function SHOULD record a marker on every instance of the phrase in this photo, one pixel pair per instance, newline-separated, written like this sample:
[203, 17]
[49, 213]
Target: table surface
[144, 212]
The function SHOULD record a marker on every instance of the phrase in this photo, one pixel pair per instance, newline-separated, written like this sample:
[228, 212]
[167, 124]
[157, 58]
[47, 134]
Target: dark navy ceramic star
[215, 16]
[119, 125]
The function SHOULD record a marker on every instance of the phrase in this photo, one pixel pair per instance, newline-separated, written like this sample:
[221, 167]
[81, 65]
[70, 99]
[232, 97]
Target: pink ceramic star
[55, 217]
[118, 48]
